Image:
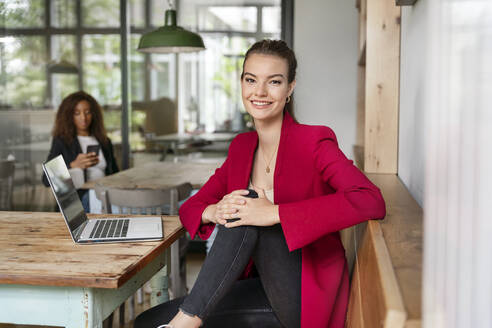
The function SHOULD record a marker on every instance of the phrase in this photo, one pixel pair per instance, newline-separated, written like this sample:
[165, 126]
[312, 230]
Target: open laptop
[99, 230]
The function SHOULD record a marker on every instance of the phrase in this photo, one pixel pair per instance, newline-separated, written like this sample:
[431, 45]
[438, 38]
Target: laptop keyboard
[110, 229]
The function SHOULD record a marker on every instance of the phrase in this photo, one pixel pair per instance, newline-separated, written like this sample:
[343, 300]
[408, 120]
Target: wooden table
[47, 279]
[174, 141]
[158, 175]
[187, 137]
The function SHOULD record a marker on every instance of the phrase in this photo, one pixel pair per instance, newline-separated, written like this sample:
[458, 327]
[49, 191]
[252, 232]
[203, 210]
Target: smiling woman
[265, 92]
[308, 191]
[269, 71]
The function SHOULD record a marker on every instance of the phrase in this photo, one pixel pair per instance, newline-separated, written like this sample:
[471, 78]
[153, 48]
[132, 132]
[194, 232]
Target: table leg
[160, 284]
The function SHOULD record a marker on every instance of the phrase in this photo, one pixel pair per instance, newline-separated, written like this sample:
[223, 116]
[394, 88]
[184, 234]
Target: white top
[268, 193]
[97, 171]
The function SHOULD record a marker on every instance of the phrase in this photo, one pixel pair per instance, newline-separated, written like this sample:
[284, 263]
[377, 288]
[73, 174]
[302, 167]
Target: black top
[70, 152]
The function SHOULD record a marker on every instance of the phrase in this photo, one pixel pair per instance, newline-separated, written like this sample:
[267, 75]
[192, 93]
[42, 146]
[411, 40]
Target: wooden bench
[386, 283]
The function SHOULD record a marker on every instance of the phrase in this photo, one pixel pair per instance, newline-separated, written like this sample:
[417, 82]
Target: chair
[149, 201]
[161, 117]
[7, 170]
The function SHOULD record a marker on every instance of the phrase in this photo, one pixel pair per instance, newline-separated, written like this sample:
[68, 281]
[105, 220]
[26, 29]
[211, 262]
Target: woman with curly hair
[79, 123]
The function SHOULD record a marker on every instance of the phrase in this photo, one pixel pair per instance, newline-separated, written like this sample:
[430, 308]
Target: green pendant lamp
[170, 38]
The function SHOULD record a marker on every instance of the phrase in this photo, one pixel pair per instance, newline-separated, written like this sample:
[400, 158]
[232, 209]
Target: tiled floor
[194, 262]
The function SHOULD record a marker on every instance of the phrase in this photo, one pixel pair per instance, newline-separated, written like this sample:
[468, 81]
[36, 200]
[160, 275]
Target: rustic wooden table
[47, 279]
[158, 175]
[174, 140]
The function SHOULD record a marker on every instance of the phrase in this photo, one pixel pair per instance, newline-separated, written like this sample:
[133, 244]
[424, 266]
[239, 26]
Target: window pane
[102, 78]
[23, 67]
[271, 19]
[101, 13]
[102, 75]
[137, 70]
[63, 85]
[227, 19]
[63, 13]
[22, 13]
[25, 131]
[216, 99]
[158, 9]
[63, 48]
[137, 13]
[25, 136]
[162, 76]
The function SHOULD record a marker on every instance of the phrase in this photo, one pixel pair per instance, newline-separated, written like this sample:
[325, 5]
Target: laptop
[98, 230]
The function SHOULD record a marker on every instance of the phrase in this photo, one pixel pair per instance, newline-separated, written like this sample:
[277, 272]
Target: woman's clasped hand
[250, 211]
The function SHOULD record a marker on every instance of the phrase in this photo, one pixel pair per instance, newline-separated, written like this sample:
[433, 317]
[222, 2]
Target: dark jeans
[215, 292]
[279, 270]
[244, 306]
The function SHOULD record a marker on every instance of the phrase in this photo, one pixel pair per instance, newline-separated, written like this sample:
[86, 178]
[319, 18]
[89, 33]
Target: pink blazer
[319, 192]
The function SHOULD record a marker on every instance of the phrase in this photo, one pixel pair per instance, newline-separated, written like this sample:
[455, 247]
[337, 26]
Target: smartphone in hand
[93, 149]
[252, 194]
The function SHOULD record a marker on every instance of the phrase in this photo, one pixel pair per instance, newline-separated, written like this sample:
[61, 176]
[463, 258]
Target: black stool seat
[245, 306]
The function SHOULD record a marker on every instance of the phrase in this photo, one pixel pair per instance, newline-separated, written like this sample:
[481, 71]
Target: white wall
[413, 85]
[325, 42]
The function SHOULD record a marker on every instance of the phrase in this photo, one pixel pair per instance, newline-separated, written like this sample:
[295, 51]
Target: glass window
[63, 49]
[63, 85]
[22, 13]
[63, 13]
[217, 18]
[209, 82]
[137, 70]
[23, 63]
[101, 13]
[162, 75]
[101, 60]
[270, 20]
[158, 11]
[137, 13]
[219, 92]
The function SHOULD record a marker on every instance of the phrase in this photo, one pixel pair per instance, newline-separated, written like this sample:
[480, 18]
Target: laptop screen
[65, 192]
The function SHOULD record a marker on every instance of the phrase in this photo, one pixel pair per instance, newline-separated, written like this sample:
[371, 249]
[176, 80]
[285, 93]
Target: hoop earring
[288, 100]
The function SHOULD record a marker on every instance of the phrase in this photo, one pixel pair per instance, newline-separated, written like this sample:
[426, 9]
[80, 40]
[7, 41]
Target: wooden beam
[382, 87]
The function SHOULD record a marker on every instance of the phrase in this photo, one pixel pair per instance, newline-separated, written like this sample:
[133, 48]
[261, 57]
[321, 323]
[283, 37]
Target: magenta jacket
[319, 192]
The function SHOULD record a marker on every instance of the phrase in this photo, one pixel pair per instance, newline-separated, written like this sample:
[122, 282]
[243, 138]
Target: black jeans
[279, 270]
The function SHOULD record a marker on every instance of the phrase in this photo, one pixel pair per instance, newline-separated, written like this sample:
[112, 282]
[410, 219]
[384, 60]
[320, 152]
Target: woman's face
[265, 86]
[82, 117]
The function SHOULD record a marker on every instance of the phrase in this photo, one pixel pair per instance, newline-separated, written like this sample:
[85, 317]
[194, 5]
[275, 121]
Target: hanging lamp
[62, 67]
[170, 38]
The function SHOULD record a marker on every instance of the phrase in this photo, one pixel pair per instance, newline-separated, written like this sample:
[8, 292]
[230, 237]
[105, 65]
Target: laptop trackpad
[145, 227]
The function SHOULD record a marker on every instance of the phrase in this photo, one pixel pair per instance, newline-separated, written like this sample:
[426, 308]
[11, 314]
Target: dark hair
[280, 49]
[64, 125]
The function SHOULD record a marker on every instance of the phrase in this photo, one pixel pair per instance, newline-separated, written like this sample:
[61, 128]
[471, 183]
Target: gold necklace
[267, 169]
